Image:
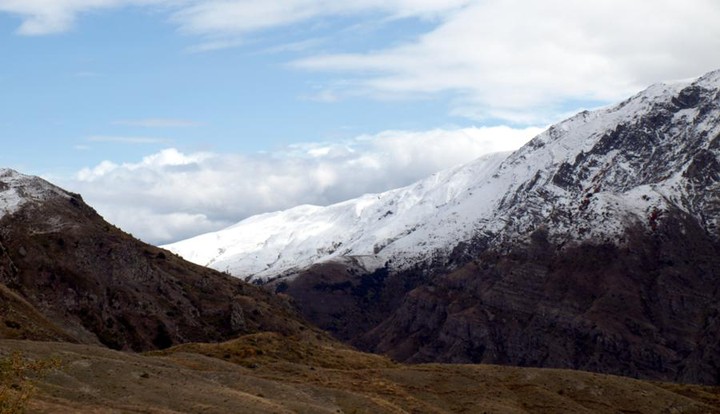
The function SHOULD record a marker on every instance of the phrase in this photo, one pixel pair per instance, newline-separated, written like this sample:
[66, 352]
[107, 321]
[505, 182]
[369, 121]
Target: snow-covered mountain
[587, 178]
[371, 229]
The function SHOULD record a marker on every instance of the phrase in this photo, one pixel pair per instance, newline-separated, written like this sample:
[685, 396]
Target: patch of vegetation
[251, 351]
[17, 376]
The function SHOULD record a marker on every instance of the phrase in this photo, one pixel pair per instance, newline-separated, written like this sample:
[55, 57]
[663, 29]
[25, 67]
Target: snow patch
[17, 190]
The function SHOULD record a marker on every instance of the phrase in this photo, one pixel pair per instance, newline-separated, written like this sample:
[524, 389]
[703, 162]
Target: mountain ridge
[478, 201]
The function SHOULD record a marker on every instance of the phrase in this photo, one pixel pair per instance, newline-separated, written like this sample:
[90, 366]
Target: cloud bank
[172, 195]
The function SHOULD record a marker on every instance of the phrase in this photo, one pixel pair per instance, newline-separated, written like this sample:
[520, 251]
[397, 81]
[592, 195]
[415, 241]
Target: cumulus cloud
[172, 195]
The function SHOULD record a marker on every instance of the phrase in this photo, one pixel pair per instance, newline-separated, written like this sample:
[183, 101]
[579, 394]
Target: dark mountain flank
[66, 274]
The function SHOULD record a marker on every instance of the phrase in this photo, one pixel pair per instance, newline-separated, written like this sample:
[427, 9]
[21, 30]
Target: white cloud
[214, 44]
[517, 60]
[523, 61]
[171, 195]
[99, 170]
[152, 225]
[226, 23]
[87, 74]
[245, 16]
[213, 17]
[326, 96]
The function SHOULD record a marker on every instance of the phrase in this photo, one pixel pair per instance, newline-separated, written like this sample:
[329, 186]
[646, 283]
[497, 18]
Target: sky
[177, 117]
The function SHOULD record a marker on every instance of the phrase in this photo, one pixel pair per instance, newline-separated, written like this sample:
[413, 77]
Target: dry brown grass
[17, 380]
[311, 349]
[20, 320]
[270, 373]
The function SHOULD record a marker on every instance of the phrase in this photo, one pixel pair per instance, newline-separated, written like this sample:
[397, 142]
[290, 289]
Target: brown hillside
[67, 274]
[254, 375]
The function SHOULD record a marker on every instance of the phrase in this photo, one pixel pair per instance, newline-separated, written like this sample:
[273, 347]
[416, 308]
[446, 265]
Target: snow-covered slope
[17, 189]
[589, 177]
[368, 228]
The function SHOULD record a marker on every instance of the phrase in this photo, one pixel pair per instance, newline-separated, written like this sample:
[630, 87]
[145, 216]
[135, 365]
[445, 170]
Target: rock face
[600, 253]
[648, 309]
[74, 277]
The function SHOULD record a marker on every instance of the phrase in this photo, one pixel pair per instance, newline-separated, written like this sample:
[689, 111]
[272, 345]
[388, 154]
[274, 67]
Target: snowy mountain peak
[589, 177]
[17, 190]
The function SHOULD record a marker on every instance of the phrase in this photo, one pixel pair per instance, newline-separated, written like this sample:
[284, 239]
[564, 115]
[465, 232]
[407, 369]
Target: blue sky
[123, 82]
[175, 117]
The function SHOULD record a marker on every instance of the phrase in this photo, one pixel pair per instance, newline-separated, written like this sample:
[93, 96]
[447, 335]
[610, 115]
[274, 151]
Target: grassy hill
[272, 373]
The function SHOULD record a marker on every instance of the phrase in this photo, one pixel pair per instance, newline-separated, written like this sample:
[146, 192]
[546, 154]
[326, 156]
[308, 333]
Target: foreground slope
[66, 274]
[267, 373]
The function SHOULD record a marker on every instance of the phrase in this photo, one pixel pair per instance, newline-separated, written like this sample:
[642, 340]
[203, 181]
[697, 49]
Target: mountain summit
[17, 189]
[595, 247]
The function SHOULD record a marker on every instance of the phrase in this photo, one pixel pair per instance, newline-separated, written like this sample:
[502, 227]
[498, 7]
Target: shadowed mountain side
[648, 309]
[197, 378]
[20, 320]
[72, 276]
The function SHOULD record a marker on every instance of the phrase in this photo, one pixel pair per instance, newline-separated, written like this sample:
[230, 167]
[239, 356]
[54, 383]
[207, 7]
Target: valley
[580, 273]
